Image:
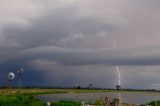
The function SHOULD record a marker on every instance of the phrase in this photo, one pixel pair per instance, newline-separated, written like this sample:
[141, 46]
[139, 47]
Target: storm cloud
[70, 43]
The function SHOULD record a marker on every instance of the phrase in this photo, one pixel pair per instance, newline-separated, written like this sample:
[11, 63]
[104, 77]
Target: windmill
[10, 77]
[20, 72]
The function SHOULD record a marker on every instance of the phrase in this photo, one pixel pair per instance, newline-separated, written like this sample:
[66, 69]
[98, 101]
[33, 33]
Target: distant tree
[90, 86]
[118, 87]
[79, 87]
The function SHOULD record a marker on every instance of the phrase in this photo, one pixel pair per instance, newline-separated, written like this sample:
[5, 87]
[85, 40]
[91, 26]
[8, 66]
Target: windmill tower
[20, 72]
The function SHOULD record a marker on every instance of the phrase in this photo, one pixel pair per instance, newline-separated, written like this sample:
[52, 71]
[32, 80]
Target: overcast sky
[70, 42]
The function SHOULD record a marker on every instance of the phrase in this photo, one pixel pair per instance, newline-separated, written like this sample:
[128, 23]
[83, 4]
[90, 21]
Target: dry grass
[45, 91]
[22, 91]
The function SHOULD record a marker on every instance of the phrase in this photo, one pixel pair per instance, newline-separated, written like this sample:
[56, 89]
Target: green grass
[99, 102]
[154, 103]
[20, 100]
[65, 103]
[26, 97]
[52, 91]
[30, 100]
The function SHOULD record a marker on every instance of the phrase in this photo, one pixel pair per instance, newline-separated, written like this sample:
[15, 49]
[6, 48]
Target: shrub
[154, 103]
[65, 103]
[99, 102]
[20, 100]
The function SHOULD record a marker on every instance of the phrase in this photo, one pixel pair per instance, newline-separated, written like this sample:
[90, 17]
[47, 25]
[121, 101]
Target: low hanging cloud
[111, 57]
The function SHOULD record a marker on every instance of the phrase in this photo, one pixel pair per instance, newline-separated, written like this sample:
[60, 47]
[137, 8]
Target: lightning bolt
[119, 75]
[117, 68]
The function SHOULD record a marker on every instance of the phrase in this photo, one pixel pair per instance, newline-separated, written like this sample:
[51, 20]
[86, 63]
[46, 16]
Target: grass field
[4, 92]
[65, 103]
[26, 97]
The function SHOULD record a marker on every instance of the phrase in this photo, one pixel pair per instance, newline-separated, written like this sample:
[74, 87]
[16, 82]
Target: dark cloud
[70, 42]
[67, 56]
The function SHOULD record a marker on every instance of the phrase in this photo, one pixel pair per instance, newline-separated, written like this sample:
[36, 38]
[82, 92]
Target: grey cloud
[138, 56]
[78, 35]
[55, 25]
